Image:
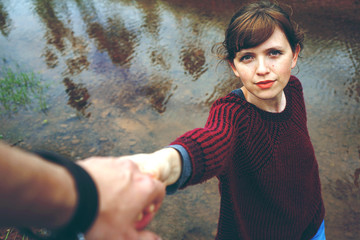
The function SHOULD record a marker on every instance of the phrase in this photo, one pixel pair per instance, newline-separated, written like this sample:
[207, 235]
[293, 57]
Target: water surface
[125, 77]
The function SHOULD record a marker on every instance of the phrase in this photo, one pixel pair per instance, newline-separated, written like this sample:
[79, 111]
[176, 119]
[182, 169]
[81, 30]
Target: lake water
[123, 77]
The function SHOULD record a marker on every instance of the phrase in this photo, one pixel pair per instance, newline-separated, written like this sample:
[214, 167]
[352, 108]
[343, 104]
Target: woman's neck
[274, 105]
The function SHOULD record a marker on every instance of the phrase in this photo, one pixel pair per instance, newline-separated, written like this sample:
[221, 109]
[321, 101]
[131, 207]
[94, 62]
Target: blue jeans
[320, 235]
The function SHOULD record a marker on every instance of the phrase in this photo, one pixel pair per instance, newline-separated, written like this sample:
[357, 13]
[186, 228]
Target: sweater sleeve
[186, 170]
[210, 148]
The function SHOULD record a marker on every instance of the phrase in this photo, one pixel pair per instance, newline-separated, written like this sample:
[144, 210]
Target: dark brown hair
[254, 24]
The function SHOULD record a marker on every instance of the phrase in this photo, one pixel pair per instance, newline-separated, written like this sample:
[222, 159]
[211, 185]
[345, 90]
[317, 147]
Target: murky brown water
[129, 76]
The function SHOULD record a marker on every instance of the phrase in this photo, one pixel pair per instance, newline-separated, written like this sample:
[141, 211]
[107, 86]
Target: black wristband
[87, 204]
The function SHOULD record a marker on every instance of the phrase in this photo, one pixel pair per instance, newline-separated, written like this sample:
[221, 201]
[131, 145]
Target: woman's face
[265, 69]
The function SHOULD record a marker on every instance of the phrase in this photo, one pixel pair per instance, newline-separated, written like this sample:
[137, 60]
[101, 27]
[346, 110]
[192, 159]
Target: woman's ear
[296, 56]
[231, 63]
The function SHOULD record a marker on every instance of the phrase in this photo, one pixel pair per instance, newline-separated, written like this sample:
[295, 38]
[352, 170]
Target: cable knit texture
[266, 166]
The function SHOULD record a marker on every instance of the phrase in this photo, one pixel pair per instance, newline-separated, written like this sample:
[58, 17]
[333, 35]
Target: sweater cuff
[186, 170]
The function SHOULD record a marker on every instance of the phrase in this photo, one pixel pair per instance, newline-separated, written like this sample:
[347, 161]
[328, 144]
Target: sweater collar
[282, 116]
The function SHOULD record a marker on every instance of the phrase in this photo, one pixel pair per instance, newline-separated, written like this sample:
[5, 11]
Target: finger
[147, 235]
[148, 210]
[155, 192]
[144, 218]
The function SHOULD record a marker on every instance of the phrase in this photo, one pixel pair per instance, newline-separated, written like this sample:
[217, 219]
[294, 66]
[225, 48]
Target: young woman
[255, 140]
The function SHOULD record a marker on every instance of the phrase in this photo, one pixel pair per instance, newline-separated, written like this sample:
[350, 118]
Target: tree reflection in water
[78, 96]
[5, 22]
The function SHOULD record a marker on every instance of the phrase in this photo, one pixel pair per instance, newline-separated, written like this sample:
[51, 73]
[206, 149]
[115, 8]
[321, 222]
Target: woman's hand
[164, 165]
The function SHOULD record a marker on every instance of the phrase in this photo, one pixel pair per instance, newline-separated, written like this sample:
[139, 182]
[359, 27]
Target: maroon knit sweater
[266, 166]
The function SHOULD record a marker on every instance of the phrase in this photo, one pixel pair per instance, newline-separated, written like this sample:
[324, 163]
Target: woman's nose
[262, 67]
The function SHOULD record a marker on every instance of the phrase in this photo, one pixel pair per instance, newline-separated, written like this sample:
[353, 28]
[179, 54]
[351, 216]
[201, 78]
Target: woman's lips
[265, 84]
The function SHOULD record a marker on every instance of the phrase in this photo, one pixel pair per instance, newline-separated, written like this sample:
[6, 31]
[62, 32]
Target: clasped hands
[163, 165]
[131, 190]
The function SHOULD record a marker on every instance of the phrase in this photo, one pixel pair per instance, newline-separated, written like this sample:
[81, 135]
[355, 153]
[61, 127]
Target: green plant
[20, 89]
[7, 234]
[13, 234]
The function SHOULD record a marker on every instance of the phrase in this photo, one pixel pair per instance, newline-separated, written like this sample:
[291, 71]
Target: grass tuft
[19, 89]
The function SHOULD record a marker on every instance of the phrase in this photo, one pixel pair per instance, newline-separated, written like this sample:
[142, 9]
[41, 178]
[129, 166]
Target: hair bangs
[256, 30]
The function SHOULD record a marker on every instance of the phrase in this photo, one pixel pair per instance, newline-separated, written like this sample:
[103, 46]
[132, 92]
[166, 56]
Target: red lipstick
[265, 84]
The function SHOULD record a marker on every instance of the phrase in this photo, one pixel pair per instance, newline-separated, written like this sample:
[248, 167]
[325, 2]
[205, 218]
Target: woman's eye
[275, 52]
[245, 58]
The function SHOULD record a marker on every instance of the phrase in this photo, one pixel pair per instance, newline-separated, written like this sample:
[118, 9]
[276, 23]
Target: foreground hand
[128, 199]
